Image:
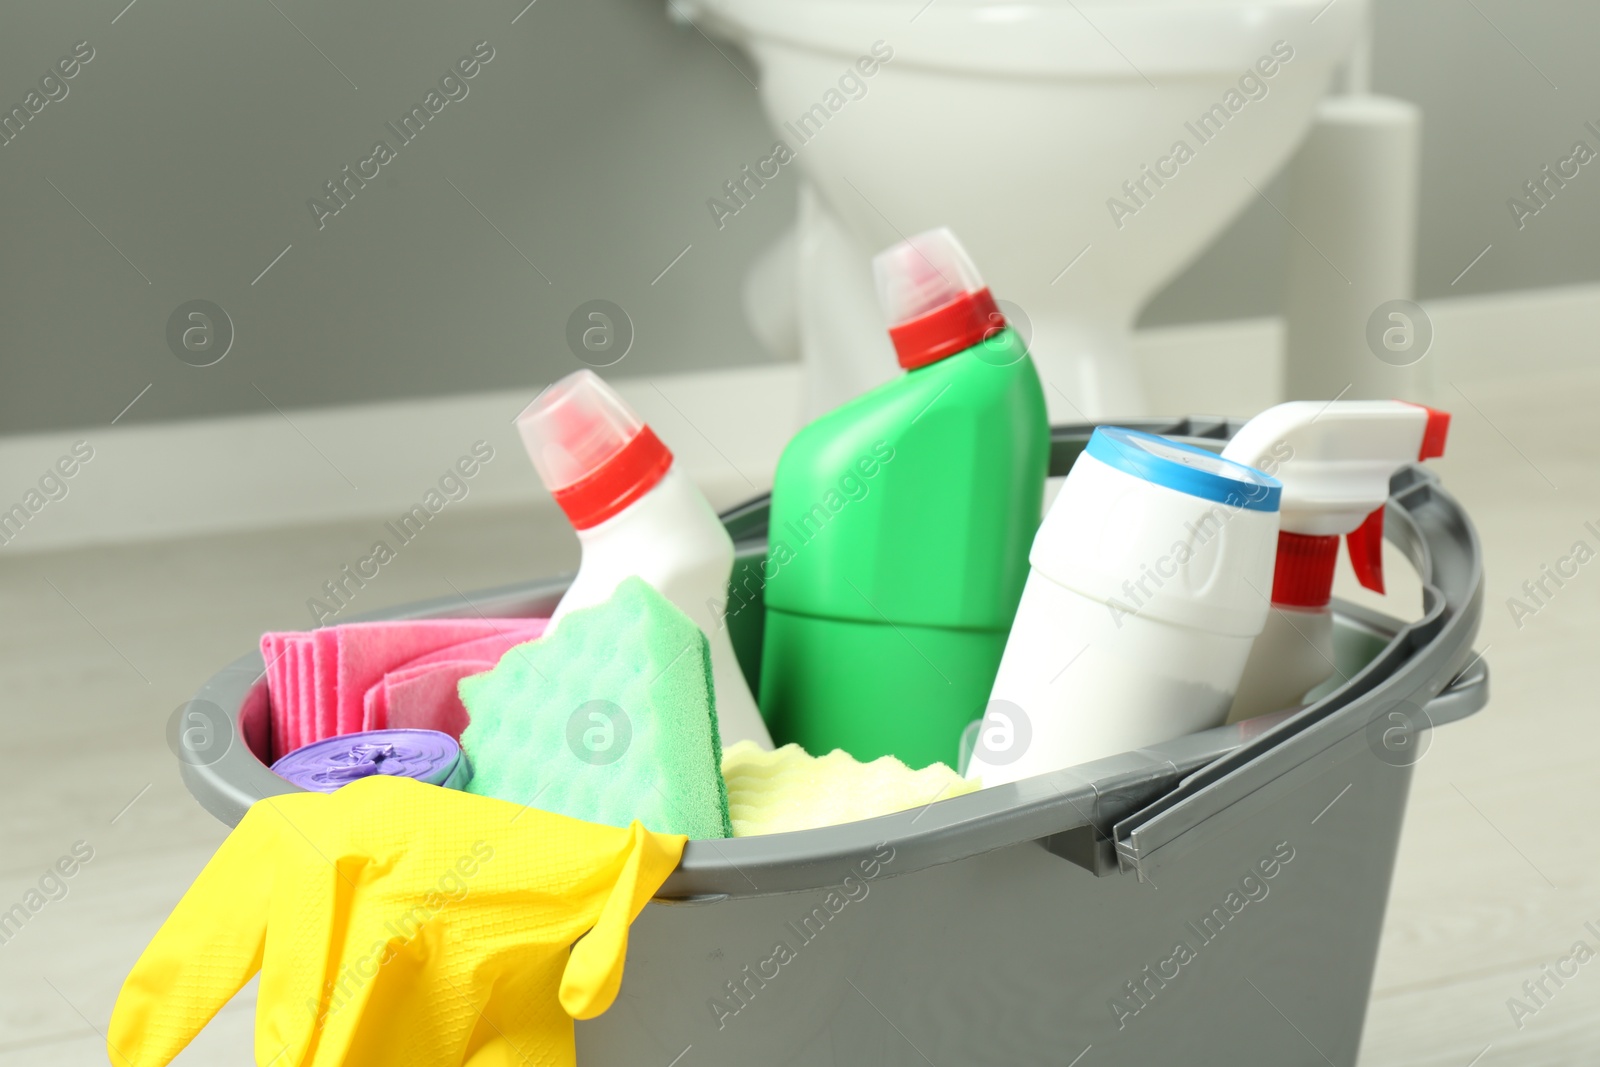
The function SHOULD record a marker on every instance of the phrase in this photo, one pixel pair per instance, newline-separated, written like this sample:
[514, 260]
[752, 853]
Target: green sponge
[610, 718]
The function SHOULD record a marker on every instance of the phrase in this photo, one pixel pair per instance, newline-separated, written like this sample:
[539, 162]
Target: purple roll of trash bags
[426, 755]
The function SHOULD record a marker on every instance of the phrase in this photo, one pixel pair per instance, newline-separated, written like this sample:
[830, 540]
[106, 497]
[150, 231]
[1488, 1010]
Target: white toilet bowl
[1017, 125]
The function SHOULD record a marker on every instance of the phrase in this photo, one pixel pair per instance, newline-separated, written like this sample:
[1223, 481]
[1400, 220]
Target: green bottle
[900, 527]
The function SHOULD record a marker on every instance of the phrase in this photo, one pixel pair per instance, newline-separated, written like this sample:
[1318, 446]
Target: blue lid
[1185, 468]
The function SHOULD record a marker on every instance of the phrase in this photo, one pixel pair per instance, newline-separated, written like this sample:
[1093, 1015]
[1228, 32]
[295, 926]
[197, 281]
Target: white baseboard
[180, 479]
[1236, 368]
[318, 465]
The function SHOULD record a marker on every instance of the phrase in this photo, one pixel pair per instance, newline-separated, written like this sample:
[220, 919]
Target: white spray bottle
[1335, 461]
[636, 513]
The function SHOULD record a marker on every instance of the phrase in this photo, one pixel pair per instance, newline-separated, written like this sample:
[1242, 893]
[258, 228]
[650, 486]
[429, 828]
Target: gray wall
[194, 137]
[1491, 120]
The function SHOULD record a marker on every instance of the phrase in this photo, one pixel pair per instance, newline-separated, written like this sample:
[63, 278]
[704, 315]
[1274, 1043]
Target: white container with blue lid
[1151, 577]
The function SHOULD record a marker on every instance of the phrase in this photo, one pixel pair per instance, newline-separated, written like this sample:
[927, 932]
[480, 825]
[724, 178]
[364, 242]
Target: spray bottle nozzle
[1335, 459]
[1366, 540]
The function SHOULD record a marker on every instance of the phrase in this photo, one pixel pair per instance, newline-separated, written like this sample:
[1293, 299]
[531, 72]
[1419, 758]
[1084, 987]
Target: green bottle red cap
[934, 298]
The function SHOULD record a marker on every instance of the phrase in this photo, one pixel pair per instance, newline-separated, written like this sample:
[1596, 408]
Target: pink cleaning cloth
[318, 681]
[290, 699]
[327, 649]
[423, 697]
[303, 686]
[422, 694]
[489, 648]
[274, 648]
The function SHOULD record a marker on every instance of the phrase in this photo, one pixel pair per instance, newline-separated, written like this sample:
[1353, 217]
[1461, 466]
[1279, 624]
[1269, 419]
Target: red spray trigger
[1366, 551]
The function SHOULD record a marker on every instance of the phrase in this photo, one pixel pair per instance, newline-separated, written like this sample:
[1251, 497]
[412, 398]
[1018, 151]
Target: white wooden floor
[1497, 874]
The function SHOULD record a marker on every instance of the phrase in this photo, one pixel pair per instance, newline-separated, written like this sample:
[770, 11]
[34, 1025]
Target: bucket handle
[1467, 694]
[1428, 675]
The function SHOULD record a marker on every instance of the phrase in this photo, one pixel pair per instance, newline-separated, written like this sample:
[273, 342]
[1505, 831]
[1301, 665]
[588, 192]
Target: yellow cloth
[775, 792]
[397, 923]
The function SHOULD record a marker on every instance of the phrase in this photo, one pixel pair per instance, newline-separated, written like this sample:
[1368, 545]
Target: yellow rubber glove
[397, 923]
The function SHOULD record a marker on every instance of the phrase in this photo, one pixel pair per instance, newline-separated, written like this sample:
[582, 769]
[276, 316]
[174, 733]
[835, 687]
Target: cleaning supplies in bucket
[900, 523]
[776, 792]
[609, 718]
[637, 513]
[1147, 588]
[375, 675]
[396, 923]
[424, 755]
[1335, 461]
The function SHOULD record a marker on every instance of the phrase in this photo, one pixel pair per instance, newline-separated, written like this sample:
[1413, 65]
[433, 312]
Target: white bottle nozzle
[574, 426]
[934, 298]
[923, 273]
[591, 451]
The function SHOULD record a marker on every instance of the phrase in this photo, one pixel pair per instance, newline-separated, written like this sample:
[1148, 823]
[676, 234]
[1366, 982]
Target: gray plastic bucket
[1213, 900]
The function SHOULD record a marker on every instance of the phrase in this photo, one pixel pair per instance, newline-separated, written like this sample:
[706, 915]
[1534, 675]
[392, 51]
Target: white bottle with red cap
[1335, 461]
[637, 513]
